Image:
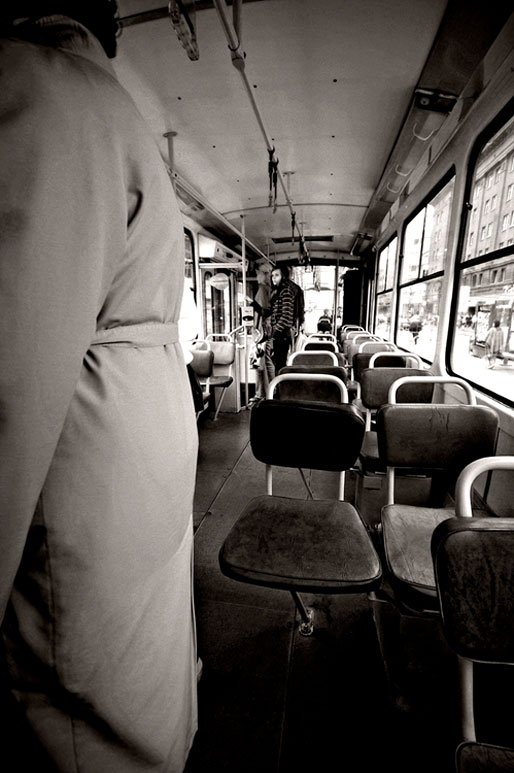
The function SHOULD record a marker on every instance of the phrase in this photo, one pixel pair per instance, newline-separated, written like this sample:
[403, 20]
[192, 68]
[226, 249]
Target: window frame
[502, 118]
[449, 176]
[387, 289]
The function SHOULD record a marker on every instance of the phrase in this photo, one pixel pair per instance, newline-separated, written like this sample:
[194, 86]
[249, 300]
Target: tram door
[352, 292]
[219, 312]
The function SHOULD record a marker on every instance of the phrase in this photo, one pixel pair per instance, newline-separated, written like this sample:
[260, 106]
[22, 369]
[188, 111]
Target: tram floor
[271, 700]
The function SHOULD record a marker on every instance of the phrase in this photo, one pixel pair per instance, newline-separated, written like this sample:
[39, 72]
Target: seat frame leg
[306, 613]
[222, 395]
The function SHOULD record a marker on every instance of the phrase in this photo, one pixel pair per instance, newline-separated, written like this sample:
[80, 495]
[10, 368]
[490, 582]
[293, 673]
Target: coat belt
[144, 334]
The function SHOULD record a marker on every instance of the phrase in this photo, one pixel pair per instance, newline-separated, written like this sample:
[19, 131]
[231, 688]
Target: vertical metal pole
[169, 136]
[245, 329]
[334, 313]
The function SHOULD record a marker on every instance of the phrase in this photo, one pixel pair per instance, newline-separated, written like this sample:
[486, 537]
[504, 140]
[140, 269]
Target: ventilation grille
[286, 239]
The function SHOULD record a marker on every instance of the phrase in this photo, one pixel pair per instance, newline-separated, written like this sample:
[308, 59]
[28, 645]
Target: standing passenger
[298, 312]
[282, 317]
[97, 429]
[494, 343]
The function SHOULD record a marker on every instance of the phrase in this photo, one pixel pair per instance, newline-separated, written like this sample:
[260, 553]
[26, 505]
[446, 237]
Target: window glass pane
[491, 223]
[189, 265]
[435, 237]
[383, 318]
[386, 263]
[391, 260]
[419, 317]
[188, 249]
[382, 268]
[486, 295]
[412, 248]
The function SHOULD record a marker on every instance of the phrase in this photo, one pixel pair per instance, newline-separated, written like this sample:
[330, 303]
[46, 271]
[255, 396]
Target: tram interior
[299, 154]
[295, 147]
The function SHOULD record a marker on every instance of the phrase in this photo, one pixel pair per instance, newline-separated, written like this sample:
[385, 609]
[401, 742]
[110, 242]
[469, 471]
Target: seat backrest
[320, 346]
[313, 359]
[307, 389]
[224, 352]
[360, 336]
[474, 574]
[375, 384]
[474, 571]
[437, 437]
[202, 362]
[318, 436]
[321, 337]
[362, 360]
[200, 343]
[370, 346]
[426, 375]
[347, 329]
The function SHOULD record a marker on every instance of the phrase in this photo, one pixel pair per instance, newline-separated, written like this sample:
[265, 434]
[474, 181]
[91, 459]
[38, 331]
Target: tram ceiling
[339, 90]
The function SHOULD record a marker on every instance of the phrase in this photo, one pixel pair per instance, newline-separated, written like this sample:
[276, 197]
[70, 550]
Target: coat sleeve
[58, 219]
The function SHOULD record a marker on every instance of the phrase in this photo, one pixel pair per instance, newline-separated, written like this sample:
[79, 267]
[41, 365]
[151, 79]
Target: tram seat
[371, 346]
[321, 337]
[320, 346]
[303, 545]
[324, 346]
[324, 390]
[222, 378]
[368, 348]
[385, 359]
[436, 439]
[313, 359]
[202, 364]
[355, 337]
[474, 576]
[347, 329]
[375, 385]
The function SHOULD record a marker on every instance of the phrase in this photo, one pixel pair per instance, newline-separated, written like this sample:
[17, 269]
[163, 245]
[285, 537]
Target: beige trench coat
[98, 439]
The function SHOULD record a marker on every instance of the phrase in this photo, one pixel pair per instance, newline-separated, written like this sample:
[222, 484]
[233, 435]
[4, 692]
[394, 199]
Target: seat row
[430, 558]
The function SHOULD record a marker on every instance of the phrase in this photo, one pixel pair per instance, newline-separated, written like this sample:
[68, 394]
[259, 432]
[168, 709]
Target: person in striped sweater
[282, 317]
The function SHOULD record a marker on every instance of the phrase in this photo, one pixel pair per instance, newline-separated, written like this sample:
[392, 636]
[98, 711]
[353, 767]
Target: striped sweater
[282, 310]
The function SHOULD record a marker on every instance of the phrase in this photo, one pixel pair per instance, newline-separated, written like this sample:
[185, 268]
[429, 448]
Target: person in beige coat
[98, 439]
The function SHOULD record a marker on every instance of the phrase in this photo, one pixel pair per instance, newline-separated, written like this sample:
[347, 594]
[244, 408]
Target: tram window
[189, 265]
[385, 281]
[486, 277]
[424, 252]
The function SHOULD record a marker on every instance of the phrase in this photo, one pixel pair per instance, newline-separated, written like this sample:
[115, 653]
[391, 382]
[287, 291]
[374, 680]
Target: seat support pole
[467, 714]
[306, 626]
[222, 395]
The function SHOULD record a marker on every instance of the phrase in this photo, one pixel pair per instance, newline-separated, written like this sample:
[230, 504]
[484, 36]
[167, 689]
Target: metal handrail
[391, 397]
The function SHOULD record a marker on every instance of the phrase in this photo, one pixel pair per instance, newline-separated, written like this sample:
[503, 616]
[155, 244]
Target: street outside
[498, 379]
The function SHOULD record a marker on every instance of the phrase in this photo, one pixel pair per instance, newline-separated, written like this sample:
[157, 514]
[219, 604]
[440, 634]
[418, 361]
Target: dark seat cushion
[472, 757]
[220, 381]
[304, 545]
[317, 436]
[474, 570]
[326, 391]
[202, 362]
[407, 533]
